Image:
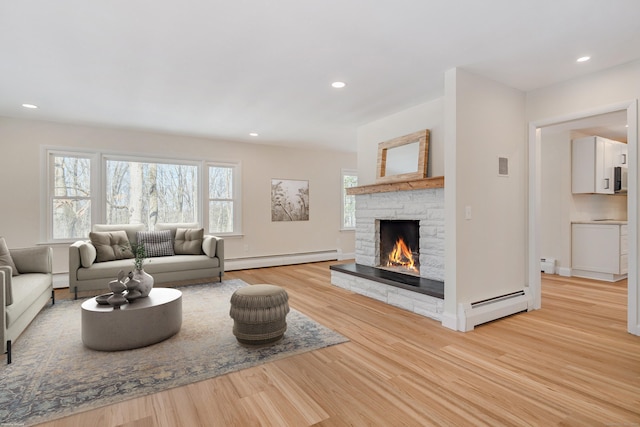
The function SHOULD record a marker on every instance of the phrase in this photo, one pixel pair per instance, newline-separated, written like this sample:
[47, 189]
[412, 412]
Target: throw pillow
[111, 245]
[88, 254]
[5, 257]
[156, 243]
[188, 241]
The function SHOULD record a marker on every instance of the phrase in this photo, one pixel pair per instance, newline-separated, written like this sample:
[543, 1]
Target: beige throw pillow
[88, 254]
[188, 241]
[111, 245]
[5, 257]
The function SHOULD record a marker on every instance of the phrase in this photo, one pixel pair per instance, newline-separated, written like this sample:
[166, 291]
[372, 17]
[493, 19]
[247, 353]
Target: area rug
[54, 375]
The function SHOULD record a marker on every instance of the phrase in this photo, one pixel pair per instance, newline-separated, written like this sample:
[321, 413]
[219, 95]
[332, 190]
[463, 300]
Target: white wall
[424, 116]
[555, 209]
[486, 254]
[20, 216]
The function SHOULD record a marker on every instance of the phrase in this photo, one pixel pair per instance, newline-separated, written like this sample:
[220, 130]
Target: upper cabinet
[594, 160]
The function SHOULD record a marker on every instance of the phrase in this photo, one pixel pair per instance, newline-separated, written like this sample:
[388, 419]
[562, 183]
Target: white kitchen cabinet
[592, 161]
[599, 250]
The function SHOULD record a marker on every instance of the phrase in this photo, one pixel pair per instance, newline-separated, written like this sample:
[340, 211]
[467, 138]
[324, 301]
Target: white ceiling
[224, 69]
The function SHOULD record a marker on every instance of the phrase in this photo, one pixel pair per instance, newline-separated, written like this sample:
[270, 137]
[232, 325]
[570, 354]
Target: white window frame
[119, 157]
[343, 192]
[98, 195]
[48, 195]
[236, 197]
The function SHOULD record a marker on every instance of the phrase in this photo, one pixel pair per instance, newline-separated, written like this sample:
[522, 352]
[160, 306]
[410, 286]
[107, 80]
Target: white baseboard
[342, 255]
[607, 277]
[564, 271]
[277, 260]
[450, 321]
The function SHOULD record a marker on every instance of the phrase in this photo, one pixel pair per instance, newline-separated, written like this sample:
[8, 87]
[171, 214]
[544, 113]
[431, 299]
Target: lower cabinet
[599, 251]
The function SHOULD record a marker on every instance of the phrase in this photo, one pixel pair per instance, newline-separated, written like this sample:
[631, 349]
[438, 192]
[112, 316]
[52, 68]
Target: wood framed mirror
[403, 158]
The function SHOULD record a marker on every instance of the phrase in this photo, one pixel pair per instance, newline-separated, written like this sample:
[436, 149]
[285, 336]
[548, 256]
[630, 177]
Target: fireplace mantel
[415, 184]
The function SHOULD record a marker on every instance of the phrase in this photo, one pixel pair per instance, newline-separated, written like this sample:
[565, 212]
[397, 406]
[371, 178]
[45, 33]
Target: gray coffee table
[137, 324]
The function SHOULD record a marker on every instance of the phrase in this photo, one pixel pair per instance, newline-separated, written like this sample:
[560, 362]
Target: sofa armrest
[37, 259]
[6, 296]
[213, 246]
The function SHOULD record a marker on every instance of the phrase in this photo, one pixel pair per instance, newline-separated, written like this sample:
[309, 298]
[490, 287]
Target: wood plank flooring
[572, 363]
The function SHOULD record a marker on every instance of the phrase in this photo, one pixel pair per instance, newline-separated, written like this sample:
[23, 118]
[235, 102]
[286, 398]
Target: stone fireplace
[417, 216]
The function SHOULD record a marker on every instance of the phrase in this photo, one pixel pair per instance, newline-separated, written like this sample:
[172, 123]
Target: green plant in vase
[140, 256]
[139, 278]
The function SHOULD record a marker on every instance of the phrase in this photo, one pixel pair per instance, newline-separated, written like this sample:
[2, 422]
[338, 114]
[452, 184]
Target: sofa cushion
[25, 288]
[130, 229]
[5, 276]
[5, 257]
[88, 254]
[173, 227]
[111, 245]
[188, 241]
[109, 270]
[156, 243]
[180, 263]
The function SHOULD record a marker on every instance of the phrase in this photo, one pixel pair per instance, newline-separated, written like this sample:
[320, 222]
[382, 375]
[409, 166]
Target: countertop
[602, 221]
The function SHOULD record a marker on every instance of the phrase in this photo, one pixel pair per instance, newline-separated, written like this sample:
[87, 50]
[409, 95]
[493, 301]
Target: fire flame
[401, 256]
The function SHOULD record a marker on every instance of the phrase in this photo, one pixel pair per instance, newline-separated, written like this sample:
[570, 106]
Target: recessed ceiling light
[253, 134]
[583, 59]
[338, 85]
[29, 106]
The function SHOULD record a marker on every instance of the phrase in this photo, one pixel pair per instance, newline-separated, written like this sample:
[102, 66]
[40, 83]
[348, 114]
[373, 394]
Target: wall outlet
[467, 212]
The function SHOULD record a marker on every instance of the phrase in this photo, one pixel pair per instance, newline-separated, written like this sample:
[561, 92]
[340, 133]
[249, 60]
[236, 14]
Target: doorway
[608, 122]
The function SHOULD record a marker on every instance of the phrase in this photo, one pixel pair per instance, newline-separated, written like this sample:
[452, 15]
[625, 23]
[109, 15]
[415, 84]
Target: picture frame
[289, 200]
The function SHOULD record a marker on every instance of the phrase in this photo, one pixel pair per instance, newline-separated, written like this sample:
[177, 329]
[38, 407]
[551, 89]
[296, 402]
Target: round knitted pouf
[259, 314]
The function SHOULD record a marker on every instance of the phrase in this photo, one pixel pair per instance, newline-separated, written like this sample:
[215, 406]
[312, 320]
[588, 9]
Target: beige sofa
[85, 274]
[23, 296]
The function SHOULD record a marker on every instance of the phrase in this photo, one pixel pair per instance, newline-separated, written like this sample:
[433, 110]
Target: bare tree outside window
[221, 201]
[149, 193]
[71, 196]
[349, 179]
[145, 192]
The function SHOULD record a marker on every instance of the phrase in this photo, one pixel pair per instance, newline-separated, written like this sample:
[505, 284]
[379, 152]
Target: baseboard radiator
[477, 313]
[277, 260]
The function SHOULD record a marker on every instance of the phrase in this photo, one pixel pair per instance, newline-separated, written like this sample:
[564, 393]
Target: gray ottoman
[259, 314]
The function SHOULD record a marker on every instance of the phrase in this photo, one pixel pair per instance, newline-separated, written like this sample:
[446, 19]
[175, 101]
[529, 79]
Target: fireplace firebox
[400, 246]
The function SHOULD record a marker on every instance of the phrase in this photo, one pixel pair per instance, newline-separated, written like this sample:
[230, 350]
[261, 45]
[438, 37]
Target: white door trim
[535, 176]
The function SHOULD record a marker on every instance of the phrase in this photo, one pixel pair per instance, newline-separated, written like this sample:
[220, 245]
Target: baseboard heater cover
[277, 260]
[473, 314]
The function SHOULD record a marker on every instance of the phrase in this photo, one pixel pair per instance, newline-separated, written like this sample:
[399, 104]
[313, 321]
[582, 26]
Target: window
[349, 179]
[150, 192]
[87, 188]
[223, 212]
[70, 196]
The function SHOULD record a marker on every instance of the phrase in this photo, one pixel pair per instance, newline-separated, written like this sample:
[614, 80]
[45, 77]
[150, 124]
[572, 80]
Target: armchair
[24, 295]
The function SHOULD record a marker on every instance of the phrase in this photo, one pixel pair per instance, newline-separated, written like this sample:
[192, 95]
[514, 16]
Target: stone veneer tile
[417, 303]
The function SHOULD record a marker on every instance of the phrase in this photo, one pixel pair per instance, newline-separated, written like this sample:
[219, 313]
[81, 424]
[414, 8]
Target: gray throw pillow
[156, 243]
[5, 257]
[188, 241]
[111, 245]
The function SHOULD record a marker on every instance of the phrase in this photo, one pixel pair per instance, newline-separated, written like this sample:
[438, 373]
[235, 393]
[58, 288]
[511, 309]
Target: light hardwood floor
[572, 363]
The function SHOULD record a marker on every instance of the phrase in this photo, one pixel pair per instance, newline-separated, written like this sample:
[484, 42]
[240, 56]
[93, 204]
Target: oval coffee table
[143, 322]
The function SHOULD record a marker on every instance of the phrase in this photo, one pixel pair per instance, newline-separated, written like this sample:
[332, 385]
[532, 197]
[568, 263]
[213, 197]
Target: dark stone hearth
[421, 285]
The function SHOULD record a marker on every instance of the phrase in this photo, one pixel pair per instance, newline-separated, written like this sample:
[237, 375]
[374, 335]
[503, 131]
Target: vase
[118, 286]
[146, 282]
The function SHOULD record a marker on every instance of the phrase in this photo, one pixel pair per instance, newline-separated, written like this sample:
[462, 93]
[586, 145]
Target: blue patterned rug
[54, 375]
